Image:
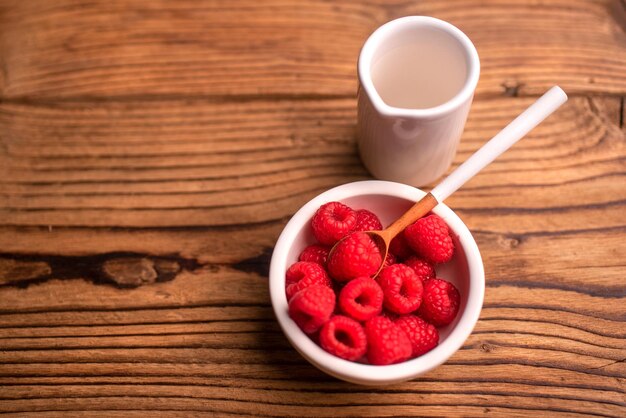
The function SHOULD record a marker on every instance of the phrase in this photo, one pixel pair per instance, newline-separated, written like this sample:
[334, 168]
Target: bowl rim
[364, 373]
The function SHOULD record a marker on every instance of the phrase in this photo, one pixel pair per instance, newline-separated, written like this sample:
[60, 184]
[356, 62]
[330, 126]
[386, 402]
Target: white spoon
[513, 132]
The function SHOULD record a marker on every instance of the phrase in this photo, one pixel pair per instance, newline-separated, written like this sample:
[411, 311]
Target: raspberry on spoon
[354, 256]
[367, 221]
[430, 238]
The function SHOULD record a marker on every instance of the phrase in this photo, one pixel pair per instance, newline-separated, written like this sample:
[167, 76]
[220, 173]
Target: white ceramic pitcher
[414, 145]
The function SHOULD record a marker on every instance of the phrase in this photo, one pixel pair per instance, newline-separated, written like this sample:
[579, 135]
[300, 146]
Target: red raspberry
[355, 256]
[312, 307]
[333, 221]
[367, 221]
[422, 268]
[361, 299]
[430, 238]
[386, 341]
[344, 337]
[400, 248]
[441, 302]
[389, 260]
[388, 314]
[401, 287]
[423, 336]
[304, 274]
[315, 253]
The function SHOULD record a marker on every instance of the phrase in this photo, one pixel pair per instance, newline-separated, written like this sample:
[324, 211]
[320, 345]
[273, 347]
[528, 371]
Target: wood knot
[166, 269]
[487, 348]
[130, 272]
[118, 269]
[13, 271]
[508, 242]
[259, 264]
[511, 88]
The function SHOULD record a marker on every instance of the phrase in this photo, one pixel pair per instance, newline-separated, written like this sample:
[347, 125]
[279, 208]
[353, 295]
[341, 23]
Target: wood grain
[151, 153]
[216, 177]
[78, 49]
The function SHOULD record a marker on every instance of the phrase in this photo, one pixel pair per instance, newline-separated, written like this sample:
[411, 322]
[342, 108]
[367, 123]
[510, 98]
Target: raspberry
[441, 302]
[430, 238]
[423, 336]
[401, 287]
[315, 253]
[367, 221]
[400, 248]
[386, 341]
[302, 269]
[355, 256]
[422, 268]
[344, 337]
[333, 221]
[304, 274]
[361, 299]
[389, 260]
[312, 307]
[388, 314]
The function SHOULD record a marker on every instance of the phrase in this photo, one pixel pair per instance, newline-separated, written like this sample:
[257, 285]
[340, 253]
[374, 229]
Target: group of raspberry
[385, 320]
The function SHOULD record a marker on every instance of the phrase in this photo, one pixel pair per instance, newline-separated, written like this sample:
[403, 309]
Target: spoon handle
[512, 133]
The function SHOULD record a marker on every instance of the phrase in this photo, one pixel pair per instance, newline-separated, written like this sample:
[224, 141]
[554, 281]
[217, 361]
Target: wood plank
[576, 330]
[272, 338]
[237, 348]
[579, 152]
[217, 286]
[424, 385]
[102, 322]
[560, 379]
[186, 315]
[279, 398]
[206, 286]
[301, 375]
[205, 379]
[123, 414]
[310, 404]
[116, 49]
[19, 336]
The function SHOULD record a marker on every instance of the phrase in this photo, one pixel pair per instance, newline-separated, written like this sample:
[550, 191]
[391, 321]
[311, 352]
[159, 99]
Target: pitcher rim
[384, 31]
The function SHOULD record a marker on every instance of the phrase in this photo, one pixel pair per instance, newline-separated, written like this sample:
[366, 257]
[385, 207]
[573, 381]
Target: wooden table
[151, 152]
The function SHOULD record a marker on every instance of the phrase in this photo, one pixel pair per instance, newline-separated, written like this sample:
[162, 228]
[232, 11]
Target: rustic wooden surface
[151, 152]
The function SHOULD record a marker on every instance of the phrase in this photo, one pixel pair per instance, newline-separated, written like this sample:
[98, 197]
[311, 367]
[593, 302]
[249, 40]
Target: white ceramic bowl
[388, 200]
